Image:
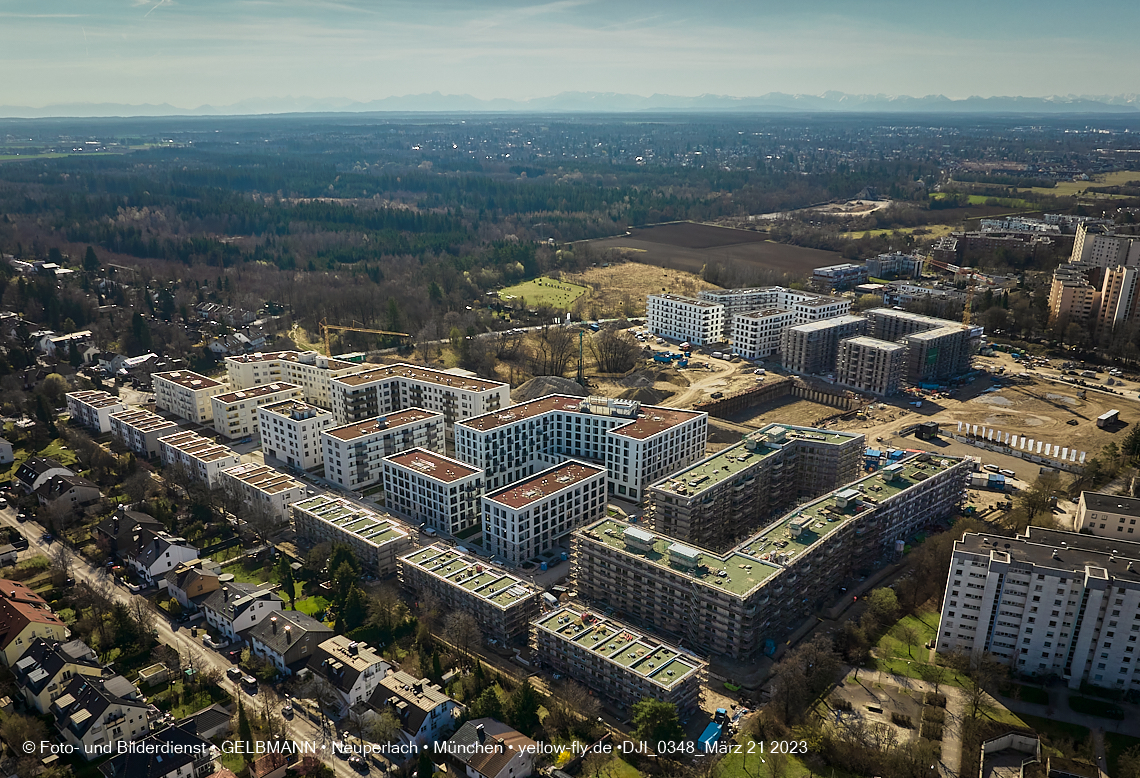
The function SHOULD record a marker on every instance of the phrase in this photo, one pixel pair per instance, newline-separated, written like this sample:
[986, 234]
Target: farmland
[1079, 188]
[690, 246]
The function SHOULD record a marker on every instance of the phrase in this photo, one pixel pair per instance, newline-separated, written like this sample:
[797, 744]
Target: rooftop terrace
[387, 423]
[194, 445]
[419, 374]
[188, 379]
[432, 465]
[541, 485]
[687, 300]
[368, 525]
[472, 575]
[252, 393]
[143, 421]
[263, 478]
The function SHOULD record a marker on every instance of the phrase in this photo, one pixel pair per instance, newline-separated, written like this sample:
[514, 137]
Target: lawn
[198, 698]
[924, 232]
[544, 292]
[54, 450]
[1116, 744]
[893, 656]
[1078, 188]
[748, 765]
[312, 605]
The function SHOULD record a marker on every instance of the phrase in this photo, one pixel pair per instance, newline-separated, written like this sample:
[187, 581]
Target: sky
[217, 52]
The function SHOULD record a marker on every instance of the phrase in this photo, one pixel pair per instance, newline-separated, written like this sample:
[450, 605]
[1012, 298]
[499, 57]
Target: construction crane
[325, 327]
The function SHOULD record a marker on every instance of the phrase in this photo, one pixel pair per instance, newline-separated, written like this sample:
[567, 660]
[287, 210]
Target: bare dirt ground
[620, 289]
[692, 246]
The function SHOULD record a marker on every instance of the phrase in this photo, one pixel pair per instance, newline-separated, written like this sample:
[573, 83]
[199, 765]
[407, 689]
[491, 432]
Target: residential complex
[756, 335]
[383, 390]
[1047, 603]
[433, 490]
[870, 365]
[93, 409]
[532, 516]
[309, 370]
[503, 604]
[896, 265]
[291, 432]
[354, 453]
[738, 301]
[1107, 515]
[201, 457]
[377, 539]
[835, 278]
[733, 493]
[687, 319]
[140, 430]
[813, 347]
[1072, 296]
[732, 603]
[638, 444]
[186, 394]
[235, 413]
[263, 490]
[936, 349]
[1099, 246]
[616, 661]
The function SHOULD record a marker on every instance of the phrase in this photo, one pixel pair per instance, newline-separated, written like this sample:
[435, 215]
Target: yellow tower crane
[325, 327]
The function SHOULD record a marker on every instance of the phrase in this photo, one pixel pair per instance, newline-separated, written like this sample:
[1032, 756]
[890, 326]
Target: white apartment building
[1108, 515]
[93, 409]
[686, 319]
[309, 370]
[140, 430]
[354, 669]
[756, 335]
[186, 394]
[738, 301]
[378, 539]
[291, 432]
[235, 413]
[433, 490]
[870, 365]
[202, 457]
[820, 308]
[636, 443]
[1047, 603]
[1097, 245]
[263, 488]
[384, 390]
[534, 515]
[354, 453]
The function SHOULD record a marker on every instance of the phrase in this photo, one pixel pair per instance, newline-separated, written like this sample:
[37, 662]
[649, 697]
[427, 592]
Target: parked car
[3, 503]
[234, 674]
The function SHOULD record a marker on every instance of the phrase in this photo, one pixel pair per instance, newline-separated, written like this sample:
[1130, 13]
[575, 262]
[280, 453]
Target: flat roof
[254, 392]
[188, 379]
[615, 642]
[1037, 546]
[95, 398]
[144, 421]
[431, 465]
[403, 370]
[819, 302]
[765, 313]
[382, 423]
[375, 528]
[1111, 503]
[826, 324]
[875, 343]
[472, 575]
[541, 485]
[654, 420]
[527, 410]
[194, 445]
[293, 405]
[759, 557]
[677, 298]
[330, 363]
[263, 478]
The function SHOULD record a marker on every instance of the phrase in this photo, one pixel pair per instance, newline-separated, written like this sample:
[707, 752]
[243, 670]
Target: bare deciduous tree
[553, 349]
[614, 352]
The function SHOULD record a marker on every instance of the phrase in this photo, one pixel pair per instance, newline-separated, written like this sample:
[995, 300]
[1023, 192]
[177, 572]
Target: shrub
[838, 703]
[937, 700]
[899, 720]
[935, 715]
[931, 731]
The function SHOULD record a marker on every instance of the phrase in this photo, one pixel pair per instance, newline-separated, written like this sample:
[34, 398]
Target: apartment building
[620, 664]
[936, 349]
[309, 370]
[45, 667]
[186, 394]
[1072, 295]
[140, 430]
[427, 715]
[534, 515]
[433, 490]
[812, 348]
[756, 335]
[736, 491]
[818, 308]
[287, 639]
[835, 278]
[1107, 515]
[201, 457]
[895, 265]
[638, 444]
[1098, 245]
[1047, 603]
[25, 616]
[383, 390]
[377, 539]
[503, 604]
[731, 603]
[354, 453]
[738, 301]
[1118, 297]
[235, 413]
[685, 319]
[291, 432]
[263, 489]
[870, 365]
[93, 409]
[235, 608]
[94, 714]
[354, 669]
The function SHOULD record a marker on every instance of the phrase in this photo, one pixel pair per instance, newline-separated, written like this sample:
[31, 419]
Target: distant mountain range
[611, 102]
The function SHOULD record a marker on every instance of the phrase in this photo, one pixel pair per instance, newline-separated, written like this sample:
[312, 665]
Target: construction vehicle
[325, 327]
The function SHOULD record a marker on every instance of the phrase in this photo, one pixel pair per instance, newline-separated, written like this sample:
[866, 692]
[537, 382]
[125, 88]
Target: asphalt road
[299, 728]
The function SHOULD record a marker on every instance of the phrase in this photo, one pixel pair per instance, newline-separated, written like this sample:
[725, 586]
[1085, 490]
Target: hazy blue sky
[191, 52]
